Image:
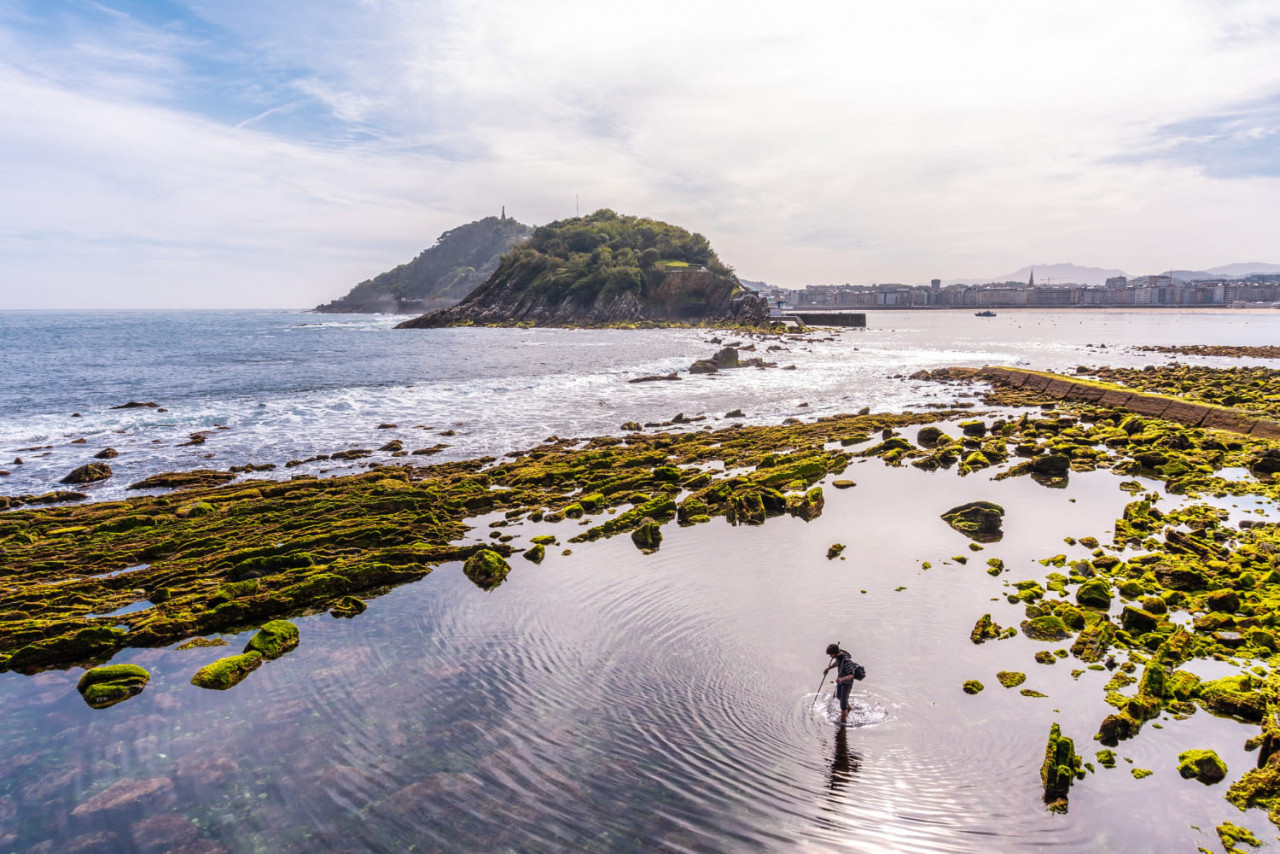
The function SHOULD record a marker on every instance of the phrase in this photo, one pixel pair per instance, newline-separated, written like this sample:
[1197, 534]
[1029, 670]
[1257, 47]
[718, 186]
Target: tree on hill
[605, 268]
[604, 255]
[446, 272]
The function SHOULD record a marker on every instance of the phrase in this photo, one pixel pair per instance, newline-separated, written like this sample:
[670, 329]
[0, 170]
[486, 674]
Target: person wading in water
[846, 672]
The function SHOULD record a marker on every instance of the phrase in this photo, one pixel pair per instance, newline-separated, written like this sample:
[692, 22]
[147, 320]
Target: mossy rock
[834, 551]
[536, 553]
[647, 537]
[1235, 697]
[1011, 678]
[1094, 593]
[347, 607]
[1060, 768]
[1117, 727]
[274, 639]
[88, 473]
[972, 686]
[227, 672]
[1136, 621]
[543, 540]
[984, 630]
[486, 569]
[1046, 628]
[1203, 765]
[95, 642]
[113, 683]
[977, 520]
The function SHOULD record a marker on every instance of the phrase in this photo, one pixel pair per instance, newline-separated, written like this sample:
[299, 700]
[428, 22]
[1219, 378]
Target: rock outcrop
[461, 258]
[605, 270]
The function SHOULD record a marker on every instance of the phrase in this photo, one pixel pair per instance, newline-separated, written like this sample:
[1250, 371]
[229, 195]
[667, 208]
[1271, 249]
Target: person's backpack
[859, 672]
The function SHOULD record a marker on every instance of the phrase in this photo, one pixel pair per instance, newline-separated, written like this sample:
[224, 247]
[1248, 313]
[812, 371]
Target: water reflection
[844, 766]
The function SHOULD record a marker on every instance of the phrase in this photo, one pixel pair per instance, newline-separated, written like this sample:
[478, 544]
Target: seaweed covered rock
[94, 642]
[984, 630]
[1117, 727]
[1045, 628]
[486, 569]
[1011, 678]
[347, 607]
[648, 536]
[1060, 768]
[227, 672]
[88, 473]
[972, 686]
[1235, 697]
[184, 479]
[1203, 765]
[113, 683]
[274, 639]
[535, 553]
[977, 520]
[1094, 593]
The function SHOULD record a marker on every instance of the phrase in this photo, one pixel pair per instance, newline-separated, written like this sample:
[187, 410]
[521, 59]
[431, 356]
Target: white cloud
[818, 142]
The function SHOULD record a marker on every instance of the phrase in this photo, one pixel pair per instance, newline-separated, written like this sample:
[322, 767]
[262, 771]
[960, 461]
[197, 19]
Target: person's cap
[833, 649]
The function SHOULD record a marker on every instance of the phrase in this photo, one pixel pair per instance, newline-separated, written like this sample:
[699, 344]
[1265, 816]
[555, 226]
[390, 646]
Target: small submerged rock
[274, 639]
[348, 607]
[227, 672]
[486, 569]
[113, 683]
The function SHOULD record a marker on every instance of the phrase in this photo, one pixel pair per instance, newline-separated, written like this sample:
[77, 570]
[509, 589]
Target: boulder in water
[977, 520]
[114, 683]
[88, 473]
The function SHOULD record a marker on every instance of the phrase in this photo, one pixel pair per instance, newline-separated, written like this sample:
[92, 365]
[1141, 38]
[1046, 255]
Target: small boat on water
[984, 314]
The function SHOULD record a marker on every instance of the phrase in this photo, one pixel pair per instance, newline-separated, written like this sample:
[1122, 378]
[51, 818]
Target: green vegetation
[605, 255]
[605, 269]
[461, 258]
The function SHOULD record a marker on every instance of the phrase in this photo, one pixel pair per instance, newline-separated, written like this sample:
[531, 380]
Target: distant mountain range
[1064, 274]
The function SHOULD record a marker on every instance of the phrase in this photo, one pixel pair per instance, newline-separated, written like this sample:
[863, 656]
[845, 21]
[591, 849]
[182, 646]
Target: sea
[605, 700]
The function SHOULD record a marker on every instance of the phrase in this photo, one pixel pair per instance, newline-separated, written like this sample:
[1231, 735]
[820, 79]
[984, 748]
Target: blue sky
[238, 153]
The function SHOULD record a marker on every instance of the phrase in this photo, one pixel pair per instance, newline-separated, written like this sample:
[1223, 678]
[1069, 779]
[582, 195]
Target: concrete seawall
[830, 318]
[1140, 403]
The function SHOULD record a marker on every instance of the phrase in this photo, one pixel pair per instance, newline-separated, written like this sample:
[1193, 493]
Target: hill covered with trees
[605, 269]
[461, 258]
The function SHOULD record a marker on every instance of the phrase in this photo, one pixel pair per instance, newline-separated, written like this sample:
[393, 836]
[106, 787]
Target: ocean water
[605, 700]
[274, 386]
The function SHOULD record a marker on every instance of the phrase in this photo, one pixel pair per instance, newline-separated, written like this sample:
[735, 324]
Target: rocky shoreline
[1163, 588]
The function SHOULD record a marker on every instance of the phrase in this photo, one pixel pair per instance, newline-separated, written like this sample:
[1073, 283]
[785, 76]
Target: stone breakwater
[1185, 412]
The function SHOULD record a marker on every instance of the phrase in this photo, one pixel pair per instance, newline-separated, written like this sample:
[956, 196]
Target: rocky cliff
[441, 275]
[605, 269]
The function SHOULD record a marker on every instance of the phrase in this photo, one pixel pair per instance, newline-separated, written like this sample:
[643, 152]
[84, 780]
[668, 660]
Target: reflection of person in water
[845, 764]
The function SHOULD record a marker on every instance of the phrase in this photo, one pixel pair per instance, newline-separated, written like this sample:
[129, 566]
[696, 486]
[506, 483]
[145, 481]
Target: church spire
[1031, 282]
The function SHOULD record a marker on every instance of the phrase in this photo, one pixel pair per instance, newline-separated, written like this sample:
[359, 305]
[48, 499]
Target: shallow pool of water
[612, 701]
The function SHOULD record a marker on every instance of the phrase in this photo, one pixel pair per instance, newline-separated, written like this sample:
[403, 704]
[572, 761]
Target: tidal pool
[612, 701]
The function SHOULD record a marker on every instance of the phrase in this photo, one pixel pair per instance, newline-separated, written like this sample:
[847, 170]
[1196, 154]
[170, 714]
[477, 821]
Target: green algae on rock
[1061, 766]
[227, 672]
[347, 607]
[978, 520]
[274, 639]
[486, 569]
[1011, 678]
[113, 683]
[972, 686]
[1202, 765]
[1232, 836]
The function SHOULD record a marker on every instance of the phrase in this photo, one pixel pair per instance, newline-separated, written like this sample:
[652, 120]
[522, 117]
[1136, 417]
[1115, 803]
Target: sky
[262, 153]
